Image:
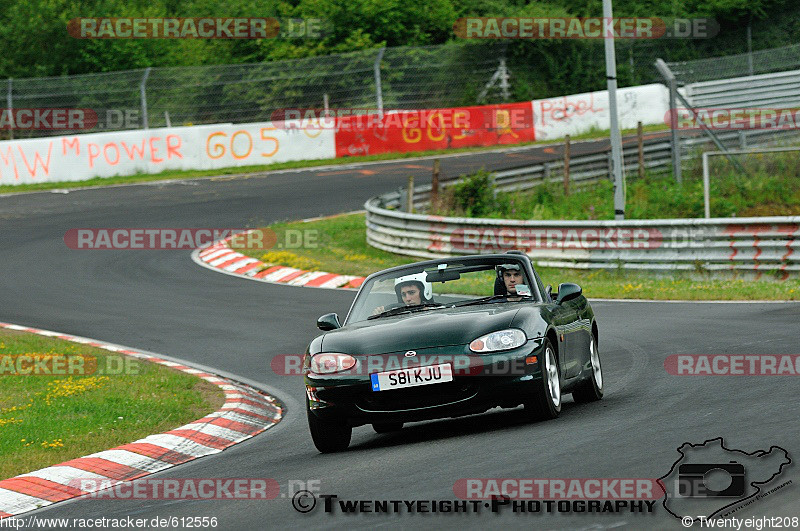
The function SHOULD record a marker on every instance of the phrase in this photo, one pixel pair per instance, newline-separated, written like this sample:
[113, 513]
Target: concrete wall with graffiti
[82, 157]
[580, 113]
[85, 156]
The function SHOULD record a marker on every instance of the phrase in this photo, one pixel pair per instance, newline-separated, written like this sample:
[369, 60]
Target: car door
[579, 335]
[564, 317]
[567, 317]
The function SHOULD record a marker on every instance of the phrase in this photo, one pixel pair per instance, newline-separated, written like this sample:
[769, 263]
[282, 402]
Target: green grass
[247, 170]
[770, 190]
[342, 248]
[48, 419]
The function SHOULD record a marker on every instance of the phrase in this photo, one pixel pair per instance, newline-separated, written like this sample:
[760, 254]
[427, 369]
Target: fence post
[750, 47]
[143, 96]
[10, 105]
[435, 183]
[504, 86]
[378, 90]
[640, 139]
[566, 165]
[706, 188]
[410, 194]
[672, 84]
[166, 119]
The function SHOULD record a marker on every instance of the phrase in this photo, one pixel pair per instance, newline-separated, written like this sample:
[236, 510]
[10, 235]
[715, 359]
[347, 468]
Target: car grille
[415, 397]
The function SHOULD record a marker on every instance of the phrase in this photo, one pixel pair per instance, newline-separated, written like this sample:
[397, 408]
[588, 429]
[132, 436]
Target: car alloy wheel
[591, 389]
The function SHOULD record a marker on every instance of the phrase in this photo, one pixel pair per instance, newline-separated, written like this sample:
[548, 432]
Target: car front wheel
[591, 389]
[546, 402]
[328, 436]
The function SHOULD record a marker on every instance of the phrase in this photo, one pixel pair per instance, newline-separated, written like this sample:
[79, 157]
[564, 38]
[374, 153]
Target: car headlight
[330, 362]
[502, 340]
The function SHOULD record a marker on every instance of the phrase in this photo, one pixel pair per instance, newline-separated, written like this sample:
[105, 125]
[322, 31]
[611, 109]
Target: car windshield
[441, 285]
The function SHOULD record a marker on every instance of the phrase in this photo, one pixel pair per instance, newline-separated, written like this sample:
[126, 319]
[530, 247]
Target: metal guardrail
[759, 245]
[778, 90]
[591, 168]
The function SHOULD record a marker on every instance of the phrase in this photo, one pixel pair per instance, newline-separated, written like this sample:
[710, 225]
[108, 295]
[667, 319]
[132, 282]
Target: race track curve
[161, 301]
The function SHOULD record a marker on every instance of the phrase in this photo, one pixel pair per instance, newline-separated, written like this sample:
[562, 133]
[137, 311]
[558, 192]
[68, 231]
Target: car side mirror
[329, 321]
[568, 291]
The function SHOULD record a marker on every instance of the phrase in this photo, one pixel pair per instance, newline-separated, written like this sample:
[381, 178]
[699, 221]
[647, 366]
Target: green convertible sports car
[450, 337]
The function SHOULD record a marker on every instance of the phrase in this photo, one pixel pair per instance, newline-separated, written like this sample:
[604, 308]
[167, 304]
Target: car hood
[424, 329]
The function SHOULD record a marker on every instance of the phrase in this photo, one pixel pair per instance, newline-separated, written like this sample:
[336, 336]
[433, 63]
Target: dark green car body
[506, 378]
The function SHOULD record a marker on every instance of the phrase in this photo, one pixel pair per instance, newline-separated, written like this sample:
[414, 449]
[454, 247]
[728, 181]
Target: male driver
[411, 293]
[511, 277]
[411, 290]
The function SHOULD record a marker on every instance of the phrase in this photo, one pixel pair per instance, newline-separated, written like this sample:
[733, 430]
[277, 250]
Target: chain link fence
[740, 65]
[407, 77]
[393, 78]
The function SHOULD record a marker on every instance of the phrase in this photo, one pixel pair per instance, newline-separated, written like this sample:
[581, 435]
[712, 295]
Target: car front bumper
[505, 379]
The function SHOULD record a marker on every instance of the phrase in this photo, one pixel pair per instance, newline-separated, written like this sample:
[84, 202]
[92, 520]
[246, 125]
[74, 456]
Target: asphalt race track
[161, 301]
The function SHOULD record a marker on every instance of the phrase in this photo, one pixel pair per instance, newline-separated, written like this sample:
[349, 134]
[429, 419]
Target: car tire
[546, 402]
[328, 436]
[591, 389]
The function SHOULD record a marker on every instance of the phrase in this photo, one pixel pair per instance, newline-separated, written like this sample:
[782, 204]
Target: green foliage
[474, 194]
[769, 190]
[36, 43]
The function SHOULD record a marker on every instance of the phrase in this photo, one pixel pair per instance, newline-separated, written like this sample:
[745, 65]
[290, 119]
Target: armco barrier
[594, 167]
[757, 245]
